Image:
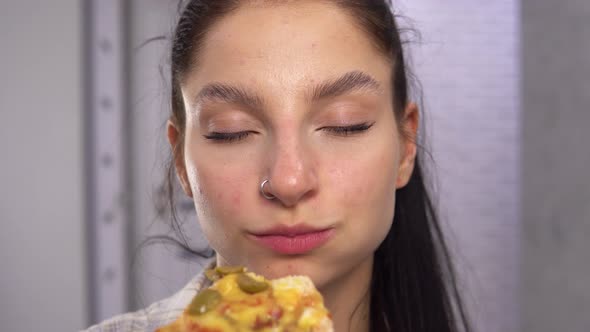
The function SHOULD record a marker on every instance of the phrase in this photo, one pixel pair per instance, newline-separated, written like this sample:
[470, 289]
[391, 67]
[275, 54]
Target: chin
[282, 266]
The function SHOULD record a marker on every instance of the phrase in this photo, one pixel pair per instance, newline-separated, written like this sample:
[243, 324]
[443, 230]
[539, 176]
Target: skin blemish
[290, 268]
[236, 199]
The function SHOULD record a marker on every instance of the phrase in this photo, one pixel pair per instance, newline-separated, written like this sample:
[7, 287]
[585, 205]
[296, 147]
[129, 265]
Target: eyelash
[340, 131]
[349, 130]
[228, 137]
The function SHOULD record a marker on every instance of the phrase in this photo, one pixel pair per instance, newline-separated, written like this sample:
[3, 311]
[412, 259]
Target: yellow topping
[245, 302]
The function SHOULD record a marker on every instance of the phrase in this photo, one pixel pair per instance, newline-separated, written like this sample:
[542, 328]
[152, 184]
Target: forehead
[289, 44]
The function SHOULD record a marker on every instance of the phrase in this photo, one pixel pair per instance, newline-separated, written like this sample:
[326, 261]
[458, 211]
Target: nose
[291, 172]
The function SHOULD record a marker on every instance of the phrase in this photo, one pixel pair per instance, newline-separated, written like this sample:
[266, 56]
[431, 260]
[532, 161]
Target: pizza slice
[242, 301]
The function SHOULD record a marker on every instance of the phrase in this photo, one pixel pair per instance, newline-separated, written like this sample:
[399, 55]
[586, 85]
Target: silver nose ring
[263, 192]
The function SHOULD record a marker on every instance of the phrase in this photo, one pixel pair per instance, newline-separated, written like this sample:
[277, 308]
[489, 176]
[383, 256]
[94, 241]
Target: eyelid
[352, 125]
[345, 113]
[228, 137]
[349, 129]
[228, 120]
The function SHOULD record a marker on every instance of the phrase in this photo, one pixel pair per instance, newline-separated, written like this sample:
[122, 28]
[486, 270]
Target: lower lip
[295, 245]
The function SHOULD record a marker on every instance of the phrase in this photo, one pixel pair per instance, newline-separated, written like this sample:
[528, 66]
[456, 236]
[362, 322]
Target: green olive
[212, 275]
[225, 270]
[204, 302]
[250, 285]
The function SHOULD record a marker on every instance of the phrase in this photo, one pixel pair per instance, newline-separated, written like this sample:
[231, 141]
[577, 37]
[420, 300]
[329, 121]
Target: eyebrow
[229, 94]
[347, 83]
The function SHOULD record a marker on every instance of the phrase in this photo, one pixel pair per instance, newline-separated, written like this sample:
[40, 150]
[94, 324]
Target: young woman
[293, 132]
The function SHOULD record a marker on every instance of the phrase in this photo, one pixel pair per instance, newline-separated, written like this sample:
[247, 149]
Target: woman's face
[296, 94]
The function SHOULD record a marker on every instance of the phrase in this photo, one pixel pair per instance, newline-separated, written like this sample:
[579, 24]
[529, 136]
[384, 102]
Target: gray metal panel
[556, 150]
[158, 269]
[108, 220]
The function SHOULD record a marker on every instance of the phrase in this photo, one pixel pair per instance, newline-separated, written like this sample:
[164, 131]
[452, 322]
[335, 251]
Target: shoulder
[156, 315]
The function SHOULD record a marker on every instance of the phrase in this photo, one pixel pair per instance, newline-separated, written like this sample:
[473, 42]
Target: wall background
[42, 248]
[556, 158]
[467, 61]
[158, 269]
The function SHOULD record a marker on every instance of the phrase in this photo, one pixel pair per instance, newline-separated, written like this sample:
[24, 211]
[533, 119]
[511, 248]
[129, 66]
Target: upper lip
[289, 230]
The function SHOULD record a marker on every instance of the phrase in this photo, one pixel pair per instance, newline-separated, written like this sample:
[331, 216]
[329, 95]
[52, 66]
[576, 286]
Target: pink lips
[293, 240]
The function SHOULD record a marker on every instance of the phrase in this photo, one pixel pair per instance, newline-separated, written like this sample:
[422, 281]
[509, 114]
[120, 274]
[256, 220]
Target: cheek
[365, 193]
[219, 192]
[366, 181]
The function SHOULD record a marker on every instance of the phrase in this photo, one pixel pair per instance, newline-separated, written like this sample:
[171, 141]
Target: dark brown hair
[413, 286]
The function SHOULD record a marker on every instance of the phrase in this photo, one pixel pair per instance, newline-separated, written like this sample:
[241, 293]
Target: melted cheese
[289, 304]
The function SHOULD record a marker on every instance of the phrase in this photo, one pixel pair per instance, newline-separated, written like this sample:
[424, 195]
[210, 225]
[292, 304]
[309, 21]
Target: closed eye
[228, 137]
[336, 130]
[348, 130]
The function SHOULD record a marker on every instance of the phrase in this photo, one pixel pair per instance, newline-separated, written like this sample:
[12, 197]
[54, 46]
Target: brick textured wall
[468, 63]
